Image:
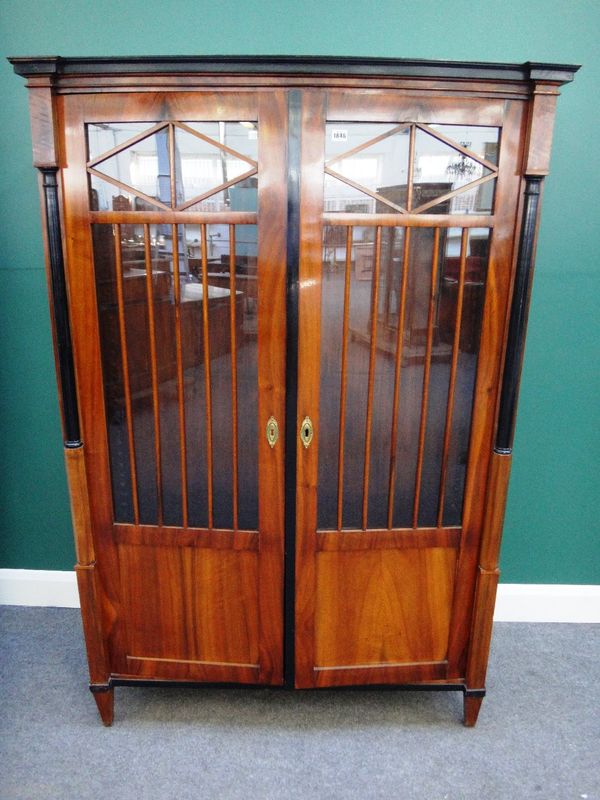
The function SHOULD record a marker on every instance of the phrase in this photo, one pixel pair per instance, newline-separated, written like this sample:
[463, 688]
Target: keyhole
[306, 432]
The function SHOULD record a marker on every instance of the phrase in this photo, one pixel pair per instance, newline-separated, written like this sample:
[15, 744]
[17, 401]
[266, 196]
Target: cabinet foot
[105, 700]
[471, 710]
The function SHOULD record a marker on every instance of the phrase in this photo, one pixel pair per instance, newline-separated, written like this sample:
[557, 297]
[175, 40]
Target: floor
[538, 734]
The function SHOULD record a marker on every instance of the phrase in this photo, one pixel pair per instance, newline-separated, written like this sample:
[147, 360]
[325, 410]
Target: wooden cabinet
[289, 301]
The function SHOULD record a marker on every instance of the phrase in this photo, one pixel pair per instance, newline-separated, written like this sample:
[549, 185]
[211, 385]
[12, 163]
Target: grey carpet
[537, 736]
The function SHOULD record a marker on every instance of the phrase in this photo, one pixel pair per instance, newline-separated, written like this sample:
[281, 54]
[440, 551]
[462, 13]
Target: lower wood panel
[192, 605]
[173, 670]
[383, 610]
[375, 675]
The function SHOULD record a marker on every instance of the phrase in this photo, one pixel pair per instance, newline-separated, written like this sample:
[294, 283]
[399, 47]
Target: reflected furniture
[289, 300]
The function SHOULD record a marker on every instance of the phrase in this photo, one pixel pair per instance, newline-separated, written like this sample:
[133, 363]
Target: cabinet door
[175, 220]
[408, 208]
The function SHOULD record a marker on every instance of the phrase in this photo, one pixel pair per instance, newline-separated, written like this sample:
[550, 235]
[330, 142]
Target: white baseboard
[38, 587]
[516, 602]
[547, 602]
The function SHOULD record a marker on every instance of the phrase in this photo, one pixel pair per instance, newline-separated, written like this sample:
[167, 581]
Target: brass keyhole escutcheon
[272, 431]
[306, 431]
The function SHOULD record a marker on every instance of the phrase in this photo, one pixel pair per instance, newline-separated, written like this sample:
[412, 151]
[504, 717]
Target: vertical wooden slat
[411, 168]
[343, 378]
[397, 374]
[180, 385]
[154, 373]
[173, 185]
[234, 406]
[207, 379]
[453, 368]
[426, 375]
[372, 356]
[125, 365]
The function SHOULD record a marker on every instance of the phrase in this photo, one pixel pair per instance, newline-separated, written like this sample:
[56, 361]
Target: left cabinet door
[174, 216]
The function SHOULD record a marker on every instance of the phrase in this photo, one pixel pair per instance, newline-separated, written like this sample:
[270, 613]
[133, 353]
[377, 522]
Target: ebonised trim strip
[291, 376]
[294, 65]
[64, 347]
[99, 688]
[518, 318]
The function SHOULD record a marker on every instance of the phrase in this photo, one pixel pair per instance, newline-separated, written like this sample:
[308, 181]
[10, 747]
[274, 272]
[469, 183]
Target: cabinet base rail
[104, 692]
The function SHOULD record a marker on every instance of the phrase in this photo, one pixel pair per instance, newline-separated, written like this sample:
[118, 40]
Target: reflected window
[381, 168]
[200, 166]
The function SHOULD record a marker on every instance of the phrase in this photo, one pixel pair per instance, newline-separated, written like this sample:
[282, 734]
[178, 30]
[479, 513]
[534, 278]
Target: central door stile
[309, 338]
[291, 399]
[272, 374]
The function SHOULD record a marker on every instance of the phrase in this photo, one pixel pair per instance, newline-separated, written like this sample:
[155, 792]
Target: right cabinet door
[408, 212]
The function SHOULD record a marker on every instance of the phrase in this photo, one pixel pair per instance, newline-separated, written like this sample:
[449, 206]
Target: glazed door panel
[407, 218]
[176, 206]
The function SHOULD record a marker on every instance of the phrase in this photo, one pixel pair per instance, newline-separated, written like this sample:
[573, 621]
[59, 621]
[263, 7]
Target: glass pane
[343, 136]
[440, 169]
[202, 166]
[478, 139]
[136, 320]
[332, 316]
[112, 366]
[105, 196]
[470, 334]
[392, 244]
[242, 196]
[219, 324]
[339, 196]
[415, 333]
[239, 136]
[143, 166]
[139, 351]
[104, 136]
[356, 385]
[414, 338]
[380, 167]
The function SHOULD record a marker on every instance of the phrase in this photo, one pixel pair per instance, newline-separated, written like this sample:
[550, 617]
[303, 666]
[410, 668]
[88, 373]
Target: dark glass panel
[470, 334]
[112, 367]
[162, 247]
[219, 324]
[192, 336]
[361, 286]
[383, 389]
[138, 329]
[332, 317]
[414, 337]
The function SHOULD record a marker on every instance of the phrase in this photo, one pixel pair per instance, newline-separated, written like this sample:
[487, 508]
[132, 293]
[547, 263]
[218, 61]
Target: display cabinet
[289, 299]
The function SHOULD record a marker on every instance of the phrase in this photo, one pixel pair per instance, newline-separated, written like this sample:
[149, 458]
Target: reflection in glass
[202, 166]
[104, 136]
[154, 382]
[143, 166]
[440, 169]
[381, 167]
[367, 167]
[413, 341]
[205, 156]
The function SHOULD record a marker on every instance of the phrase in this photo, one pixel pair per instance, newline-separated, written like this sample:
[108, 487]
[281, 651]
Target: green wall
[551, 532]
